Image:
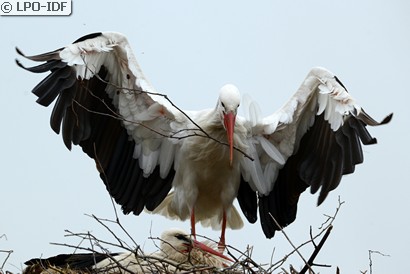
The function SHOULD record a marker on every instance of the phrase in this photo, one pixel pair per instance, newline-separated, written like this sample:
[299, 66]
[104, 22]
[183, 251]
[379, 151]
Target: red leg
[193, 223]
[221, 244]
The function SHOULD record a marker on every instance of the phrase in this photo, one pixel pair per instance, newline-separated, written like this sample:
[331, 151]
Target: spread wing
[314, 139]
[104, 104]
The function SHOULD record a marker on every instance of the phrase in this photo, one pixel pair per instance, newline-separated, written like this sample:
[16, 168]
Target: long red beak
[229, 122]
[210, 250]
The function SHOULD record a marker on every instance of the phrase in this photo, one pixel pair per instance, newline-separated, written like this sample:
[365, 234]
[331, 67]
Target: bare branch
[370, 258]
[316, 252]
[243, 262]
[329, 223]
[330, 219]
[291, 243]
[7, 257]
[141, 91]
[120, 242]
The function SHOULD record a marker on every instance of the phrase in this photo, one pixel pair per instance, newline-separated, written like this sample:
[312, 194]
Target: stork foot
[221, 244]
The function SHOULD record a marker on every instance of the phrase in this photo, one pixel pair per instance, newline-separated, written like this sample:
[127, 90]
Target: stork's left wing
[312, 141]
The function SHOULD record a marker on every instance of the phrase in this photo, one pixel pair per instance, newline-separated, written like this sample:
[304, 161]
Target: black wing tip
[269, 234]
[18, 63]
[19, 52]
[368, 120]
[252, 219]
[88, 36]
[387, 119]
[372, 141]
[322, 197]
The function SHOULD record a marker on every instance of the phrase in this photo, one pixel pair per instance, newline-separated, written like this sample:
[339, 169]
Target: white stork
[144, 146]
[178, 251]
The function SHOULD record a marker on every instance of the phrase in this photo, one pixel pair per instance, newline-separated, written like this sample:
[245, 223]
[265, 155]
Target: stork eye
[223, 105]
[181, 237]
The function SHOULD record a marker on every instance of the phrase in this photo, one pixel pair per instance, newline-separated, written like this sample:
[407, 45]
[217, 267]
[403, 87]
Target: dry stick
[294, 247]
[117, 263]
[92, 250]
[119, 117]
[100, 167]
[176, 264]
[370, 258]
[112, 198]
[228, 268]
[92, 244]
[116, 116]
[151, 260]
[85, 236]
[316, 251]
[8, 255]
[245, 262]
[75, 247]
[200, 269]
[167, 262]
[117, 222]
[329, 220]
[172, 136]
[175, 106]
[109, 230]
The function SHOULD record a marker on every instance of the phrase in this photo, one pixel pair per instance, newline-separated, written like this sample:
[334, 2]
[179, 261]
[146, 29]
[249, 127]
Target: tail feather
[166, 209]
[234, 220]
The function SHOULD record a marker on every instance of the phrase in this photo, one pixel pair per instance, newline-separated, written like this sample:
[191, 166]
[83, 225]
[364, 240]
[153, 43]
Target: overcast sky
[188, 50]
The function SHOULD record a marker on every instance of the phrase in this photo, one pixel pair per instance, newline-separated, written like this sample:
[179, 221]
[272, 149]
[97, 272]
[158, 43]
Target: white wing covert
[105, 104]
[312, 140]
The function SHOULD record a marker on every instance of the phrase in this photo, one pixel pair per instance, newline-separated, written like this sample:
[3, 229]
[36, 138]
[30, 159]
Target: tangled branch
[325, 227]
[193, 132]
[242, 260]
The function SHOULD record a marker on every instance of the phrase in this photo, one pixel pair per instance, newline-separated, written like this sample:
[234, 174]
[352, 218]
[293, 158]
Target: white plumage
[144, 146]
[178, 252]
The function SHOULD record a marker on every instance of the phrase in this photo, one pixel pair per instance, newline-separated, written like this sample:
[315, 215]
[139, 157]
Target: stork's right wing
[106, 105]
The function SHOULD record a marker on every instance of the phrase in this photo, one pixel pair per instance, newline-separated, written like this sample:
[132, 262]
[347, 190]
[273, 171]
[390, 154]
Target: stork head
[228, 103]
[176, 243]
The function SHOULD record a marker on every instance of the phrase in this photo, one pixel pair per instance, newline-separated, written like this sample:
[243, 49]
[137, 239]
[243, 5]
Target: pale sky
[188, 50]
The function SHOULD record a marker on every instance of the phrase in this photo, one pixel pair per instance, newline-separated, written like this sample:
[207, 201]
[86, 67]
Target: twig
[140, 91]
[247, 257]
[370, 258]
[329, 222]
[120, 242]
[245, 265]
[331, 218]
[316, 251]
[8, 255]
[291, 243]
[98, 162]
[87, 236]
